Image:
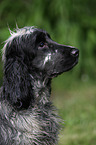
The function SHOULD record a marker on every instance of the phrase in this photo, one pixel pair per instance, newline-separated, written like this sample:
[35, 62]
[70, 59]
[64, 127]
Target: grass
[77, 106]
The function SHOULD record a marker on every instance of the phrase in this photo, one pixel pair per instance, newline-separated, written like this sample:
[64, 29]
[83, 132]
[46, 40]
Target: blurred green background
[70, 22]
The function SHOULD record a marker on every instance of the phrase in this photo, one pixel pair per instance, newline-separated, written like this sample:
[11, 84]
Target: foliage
[69, 22]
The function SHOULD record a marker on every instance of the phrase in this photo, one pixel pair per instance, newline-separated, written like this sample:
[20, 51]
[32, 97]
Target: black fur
[31, 59]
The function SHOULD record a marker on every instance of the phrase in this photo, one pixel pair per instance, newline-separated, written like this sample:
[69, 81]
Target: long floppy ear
[17, 86]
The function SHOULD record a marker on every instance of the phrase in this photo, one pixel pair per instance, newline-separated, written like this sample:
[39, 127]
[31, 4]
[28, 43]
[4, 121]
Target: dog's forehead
[41, 35]
[41, 32]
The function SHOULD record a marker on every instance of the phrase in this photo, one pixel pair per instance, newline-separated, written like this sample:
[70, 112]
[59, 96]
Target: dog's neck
[41, 89]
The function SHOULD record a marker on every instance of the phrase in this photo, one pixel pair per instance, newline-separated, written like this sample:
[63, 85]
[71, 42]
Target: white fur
[20, 32]
[47, 58]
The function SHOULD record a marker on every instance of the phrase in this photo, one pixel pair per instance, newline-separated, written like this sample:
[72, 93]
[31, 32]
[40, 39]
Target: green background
[69, 22]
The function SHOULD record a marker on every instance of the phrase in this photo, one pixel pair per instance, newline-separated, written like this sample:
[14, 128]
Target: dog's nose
[75, 52]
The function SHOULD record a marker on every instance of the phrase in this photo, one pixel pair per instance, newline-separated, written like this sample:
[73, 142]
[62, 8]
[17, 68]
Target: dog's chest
[27, 128]
[35, 128]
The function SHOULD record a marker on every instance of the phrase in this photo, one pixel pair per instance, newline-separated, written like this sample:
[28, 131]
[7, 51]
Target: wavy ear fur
[17, 86]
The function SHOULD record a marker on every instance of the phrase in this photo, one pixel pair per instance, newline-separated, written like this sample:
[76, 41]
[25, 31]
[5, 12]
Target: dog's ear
[17, 84]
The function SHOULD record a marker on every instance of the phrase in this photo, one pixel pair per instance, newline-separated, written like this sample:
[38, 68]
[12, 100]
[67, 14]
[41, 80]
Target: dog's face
[52, 58]
[44, 55]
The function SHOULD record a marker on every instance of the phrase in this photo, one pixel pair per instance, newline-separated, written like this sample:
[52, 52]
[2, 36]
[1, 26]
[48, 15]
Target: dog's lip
[68, 68]
[72, 64]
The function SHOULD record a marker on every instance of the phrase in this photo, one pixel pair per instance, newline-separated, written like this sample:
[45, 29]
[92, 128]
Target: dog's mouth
[70, 65]
[66, 68]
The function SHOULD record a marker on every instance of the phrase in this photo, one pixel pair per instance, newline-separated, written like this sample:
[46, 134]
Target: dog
[31, 59]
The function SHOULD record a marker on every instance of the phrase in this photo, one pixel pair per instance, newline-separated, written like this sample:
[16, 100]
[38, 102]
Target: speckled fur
[31, 59]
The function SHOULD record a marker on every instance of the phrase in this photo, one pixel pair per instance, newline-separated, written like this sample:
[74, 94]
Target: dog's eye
[41, 44]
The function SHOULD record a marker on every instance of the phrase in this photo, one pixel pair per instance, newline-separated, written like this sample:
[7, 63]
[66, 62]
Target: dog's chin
[70, 66]
[64, 69]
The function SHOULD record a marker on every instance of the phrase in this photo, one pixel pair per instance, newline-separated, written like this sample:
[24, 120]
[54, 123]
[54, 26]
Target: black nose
[75, 52]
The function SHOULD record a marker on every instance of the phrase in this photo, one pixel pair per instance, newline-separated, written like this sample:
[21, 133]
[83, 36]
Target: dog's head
[40, 52]
[31, 51]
